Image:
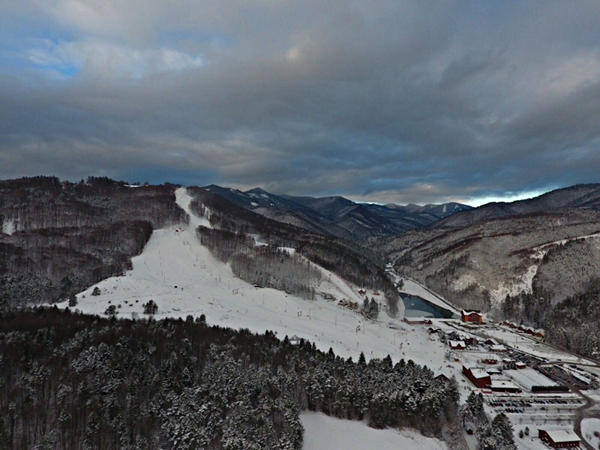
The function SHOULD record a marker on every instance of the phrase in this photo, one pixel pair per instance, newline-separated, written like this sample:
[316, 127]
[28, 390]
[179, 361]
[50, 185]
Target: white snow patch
[184, 200]
[325, 432]
[522, 283]
[463, 282]
[588, 428]
[258, 242]
[288, 250]
[8, 226]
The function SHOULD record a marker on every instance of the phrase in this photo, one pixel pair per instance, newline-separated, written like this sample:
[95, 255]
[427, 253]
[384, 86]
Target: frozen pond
[415, 306]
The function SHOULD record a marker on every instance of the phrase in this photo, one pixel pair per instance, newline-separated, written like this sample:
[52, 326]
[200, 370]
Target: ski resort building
[559, 438]
[457, 345]
[477, 376]
[498, 348]
[533, 381]
[504, 386]
[472, 316]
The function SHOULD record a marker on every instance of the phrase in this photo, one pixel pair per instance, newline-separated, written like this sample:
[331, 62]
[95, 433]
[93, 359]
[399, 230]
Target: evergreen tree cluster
[572, 324]
[75, 381]
[497, 435]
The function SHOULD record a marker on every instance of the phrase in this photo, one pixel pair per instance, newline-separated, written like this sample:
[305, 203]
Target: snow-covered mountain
[337, 215]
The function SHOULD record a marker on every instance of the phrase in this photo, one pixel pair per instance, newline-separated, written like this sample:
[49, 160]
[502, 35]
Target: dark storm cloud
[382, 101]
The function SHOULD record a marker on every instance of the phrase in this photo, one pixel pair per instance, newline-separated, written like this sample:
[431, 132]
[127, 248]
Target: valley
[192, 261]
[184, 279]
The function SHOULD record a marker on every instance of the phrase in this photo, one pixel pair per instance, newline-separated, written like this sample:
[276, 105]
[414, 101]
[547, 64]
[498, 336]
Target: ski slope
[183, 278]
[325, 432]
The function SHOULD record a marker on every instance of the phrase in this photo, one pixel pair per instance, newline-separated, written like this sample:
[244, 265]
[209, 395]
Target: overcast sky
[388, 101]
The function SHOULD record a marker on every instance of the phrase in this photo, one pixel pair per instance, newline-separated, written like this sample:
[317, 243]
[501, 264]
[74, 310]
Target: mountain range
[339, 216]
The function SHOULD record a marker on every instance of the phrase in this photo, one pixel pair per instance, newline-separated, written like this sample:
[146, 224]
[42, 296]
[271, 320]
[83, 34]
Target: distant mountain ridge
[576, 196]
[336, 215]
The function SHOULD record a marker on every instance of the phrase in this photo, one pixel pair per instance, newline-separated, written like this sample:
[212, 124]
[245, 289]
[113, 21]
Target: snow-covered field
[588, 428]
[183, 278]
[329, 433]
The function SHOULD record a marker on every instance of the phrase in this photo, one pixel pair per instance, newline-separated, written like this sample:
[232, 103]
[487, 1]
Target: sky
[383, 101]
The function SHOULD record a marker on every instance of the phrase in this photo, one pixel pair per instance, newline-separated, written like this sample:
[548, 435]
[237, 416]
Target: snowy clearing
[8, 226]
[590, 430]
[324, 432]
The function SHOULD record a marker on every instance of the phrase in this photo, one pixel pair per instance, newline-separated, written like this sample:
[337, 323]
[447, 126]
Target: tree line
[360, 266]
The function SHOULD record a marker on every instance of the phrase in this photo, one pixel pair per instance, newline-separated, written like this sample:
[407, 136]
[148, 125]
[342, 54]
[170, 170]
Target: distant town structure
[533, 381]
[457, 345]
[471, 316]
[559, 438]
[504, 386]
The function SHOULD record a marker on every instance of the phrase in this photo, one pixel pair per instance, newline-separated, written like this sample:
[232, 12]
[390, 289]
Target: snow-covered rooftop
[562, 435]
[503, 384]
[529, 377]
[478, 372]
[498, 348]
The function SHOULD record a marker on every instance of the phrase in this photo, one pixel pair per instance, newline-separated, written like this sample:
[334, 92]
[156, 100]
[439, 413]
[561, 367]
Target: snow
[503, 384]
[184, 200]
[324, 432]
[532, 346]
[288, 250]
[527, 378]
[498, 348]
[524, 282]
[258, 240]
[183, 278]
[478, 373]
[562, 435]
[463, 282]
[588, 428]
[8, 226]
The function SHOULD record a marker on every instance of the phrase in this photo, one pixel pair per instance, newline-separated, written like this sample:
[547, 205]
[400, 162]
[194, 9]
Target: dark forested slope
[73, 381]
[61, 237]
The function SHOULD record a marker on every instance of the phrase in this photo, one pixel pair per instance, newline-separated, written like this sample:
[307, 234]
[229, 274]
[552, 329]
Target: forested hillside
[74, 381]
[338, 216]
[58, 237]
[238, 227]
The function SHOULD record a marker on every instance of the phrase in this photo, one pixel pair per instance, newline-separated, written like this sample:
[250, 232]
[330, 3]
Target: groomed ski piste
[183, 278]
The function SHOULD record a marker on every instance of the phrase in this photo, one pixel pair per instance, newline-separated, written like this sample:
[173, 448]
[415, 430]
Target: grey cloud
[408, 102]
